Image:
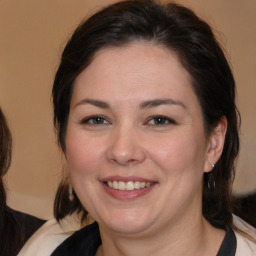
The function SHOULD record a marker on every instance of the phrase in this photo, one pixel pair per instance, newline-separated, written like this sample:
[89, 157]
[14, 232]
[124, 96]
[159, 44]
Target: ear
[215, 144]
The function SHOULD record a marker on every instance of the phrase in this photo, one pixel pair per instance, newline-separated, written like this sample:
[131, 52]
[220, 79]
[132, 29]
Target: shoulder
[18, 227]
[27, 223]
[245, 246]
[83, 242]
[50, 236]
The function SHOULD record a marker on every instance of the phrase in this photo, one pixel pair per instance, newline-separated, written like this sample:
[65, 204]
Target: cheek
[82, 155]
[179, 153]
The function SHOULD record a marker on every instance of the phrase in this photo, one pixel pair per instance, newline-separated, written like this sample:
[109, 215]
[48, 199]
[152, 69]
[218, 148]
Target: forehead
[136, 70]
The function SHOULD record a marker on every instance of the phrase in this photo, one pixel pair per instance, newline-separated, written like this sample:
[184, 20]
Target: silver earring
[70, 192]
[211, 181]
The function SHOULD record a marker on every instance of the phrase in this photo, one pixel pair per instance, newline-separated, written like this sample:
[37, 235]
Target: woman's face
[135, 142]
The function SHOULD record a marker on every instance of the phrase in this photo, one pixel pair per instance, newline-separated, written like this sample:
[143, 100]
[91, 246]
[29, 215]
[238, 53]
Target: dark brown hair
[180, 30]
[7, 226]
[5, 158]
[5, 146]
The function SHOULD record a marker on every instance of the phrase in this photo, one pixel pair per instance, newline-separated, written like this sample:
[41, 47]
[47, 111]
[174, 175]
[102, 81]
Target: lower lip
[127, 194]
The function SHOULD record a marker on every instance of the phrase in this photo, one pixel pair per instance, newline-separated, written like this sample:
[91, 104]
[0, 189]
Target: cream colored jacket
[245, 247]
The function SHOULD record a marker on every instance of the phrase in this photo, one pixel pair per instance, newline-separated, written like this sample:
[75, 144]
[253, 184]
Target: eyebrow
[158, 102]
[97, 103]
[143, 105]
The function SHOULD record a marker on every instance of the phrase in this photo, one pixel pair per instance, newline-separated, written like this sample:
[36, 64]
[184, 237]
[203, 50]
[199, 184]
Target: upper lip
[126, 179]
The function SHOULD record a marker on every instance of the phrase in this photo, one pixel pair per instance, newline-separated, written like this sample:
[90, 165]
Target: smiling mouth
[128, 186]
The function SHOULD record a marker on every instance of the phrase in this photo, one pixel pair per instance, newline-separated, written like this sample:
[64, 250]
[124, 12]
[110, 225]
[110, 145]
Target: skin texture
[134, 116]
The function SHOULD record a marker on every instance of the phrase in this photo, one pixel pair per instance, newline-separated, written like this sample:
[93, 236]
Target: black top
[16, 230]
[87, 240]
[228, 246]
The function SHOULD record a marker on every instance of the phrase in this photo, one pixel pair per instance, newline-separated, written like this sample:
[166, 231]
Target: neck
[194, 237]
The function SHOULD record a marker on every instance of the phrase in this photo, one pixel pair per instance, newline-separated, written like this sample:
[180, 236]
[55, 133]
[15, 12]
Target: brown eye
[160, 120]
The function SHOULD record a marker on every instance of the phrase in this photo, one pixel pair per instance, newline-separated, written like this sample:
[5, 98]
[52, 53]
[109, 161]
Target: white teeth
[115, 184]
[148, 184]
[121, 185]
[110, 184]
[137, 185]
[130, 185]
[142, 184]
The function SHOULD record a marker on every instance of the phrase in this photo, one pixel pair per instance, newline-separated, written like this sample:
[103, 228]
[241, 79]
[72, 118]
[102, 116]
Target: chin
[128, 224]
[130, 229]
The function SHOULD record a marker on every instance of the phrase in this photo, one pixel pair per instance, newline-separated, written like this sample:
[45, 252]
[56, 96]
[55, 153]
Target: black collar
[229, 244]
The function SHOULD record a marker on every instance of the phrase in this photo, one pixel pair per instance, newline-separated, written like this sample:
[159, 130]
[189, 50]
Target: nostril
[123, 161]
[126, 160]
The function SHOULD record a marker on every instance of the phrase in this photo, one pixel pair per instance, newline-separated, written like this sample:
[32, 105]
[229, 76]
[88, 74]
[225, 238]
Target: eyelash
[101, 120]
[91, 120]
[164, 121]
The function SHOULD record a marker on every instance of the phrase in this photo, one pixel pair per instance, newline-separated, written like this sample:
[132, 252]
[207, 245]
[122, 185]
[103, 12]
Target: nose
[125, 147]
